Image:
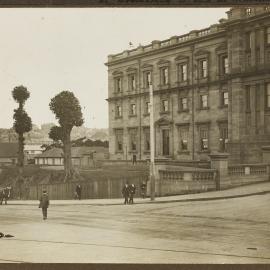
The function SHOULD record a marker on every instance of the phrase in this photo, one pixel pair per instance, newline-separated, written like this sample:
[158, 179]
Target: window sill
[133, 152]
[203, 79]
[118, 117]
[204, 152]
[132, 115]
[161, 113]
[204, 109]
[183, 152]
[223, 76]
[223, 107]
[182, 111]
[182, 83]
[119, 152]
[146, 152]
[164, 86]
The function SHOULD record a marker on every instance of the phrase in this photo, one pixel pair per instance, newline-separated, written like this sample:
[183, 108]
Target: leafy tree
[67, 110]
[22, 122]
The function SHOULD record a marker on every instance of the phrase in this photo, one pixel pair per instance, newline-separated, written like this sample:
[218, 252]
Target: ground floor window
[223, 138]
[147, 139]
[119, 140]
[204, 138]
[183, 138]
[133, 139]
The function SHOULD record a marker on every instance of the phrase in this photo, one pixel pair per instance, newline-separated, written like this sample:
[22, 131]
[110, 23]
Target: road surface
[223, 231]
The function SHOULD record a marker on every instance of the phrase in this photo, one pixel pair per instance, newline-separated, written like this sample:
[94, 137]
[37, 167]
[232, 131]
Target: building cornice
[170, 47]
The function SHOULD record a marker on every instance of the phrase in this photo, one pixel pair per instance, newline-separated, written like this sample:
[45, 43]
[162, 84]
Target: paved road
[224, 231]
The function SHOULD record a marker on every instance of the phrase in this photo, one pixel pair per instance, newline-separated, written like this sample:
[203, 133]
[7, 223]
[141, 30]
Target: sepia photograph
[135, 135]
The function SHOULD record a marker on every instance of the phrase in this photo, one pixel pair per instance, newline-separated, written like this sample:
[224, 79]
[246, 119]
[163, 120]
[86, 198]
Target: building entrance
[165, 142]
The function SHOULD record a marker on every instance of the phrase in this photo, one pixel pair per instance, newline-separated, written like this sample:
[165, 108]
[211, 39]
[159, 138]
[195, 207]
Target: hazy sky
[51, 50]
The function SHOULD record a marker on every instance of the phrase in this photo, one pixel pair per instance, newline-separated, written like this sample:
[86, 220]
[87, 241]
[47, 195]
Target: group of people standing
[128, 192]
[5, 194]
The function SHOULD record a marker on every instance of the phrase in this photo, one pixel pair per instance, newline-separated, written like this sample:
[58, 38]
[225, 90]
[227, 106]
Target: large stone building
[211, 92]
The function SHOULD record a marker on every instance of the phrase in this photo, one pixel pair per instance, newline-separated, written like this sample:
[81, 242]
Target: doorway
[165, 142]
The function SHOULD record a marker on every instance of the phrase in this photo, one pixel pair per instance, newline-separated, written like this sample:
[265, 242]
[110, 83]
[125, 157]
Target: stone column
[253, 108]
[253, 48]
[262, 45]
[219, 162]
[262, 109]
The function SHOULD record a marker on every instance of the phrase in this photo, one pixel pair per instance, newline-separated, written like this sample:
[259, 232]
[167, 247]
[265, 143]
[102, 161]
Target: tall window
[204, 101]
[248, 11]
[147, 139]
[248, 40]
[119, 140]
[248, 98]
[268, 95]
[147, 79]
[203, 68]
[225, 98]
[133, 140]
[165, 76]
[183, 72]
[258, 97]
[223, 138]
[268, 35]
[165, 105]
[118, 111]
[118, 85]
[132, 82]
[133, 109]
[183, 139]
[258, 56]
[204, 138]
[225, 64]
[183, 104]
[147, 107]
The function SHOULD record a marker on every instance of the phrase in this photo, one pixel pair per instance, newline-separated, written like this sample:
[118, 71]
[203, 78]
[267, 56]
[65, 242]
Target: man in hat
[44, 203]
[125, 192]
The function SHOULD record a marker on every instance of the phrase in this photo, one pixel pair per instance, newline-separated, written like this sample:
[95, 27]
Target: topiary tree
[67, 110]
[22, 122]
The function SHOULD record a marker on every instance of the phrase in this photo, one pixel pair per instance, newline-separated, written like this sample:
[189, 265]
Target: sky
[51, 50]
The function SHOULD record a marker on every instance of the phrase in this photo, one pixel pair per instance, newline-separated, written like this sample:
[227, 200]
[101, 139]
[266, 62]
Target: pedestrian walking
[125, 192]
[132, 189]
[44, 203]
[79, 191]
[143, 189]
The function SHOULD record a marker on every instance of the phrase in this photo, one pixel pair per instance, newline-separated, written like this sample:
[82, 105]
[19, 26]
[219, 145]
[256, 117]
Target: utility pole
[152, 144]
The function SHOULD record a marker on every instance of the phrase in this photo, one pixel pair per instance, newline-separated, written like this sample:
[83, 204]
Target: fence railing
[96, 189]
[248, 169]
[186, 175]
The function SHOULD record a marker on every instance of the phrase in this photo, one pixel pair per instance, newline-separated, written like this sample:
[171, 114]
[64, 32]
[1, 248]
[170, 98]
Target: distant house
[32, 150]
[80, 156]
[8, 153]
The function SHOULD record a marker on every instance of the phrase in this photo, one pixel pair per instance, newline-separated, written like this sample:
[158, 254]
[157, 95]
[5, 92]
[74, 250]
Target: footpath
[236, 192]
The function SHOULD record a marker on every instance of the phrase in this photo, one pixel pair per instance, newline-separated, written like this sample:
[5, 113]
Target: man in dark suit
[125, 192]
[44, 203]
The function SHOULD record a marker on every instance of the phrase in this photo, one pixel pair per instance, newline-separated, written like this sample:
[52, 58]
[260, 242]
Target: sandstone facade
[211, 92]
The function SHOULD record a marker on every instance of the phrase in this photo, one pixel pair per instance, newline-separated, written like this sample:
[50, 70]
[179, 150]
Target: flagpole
[152, 145]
